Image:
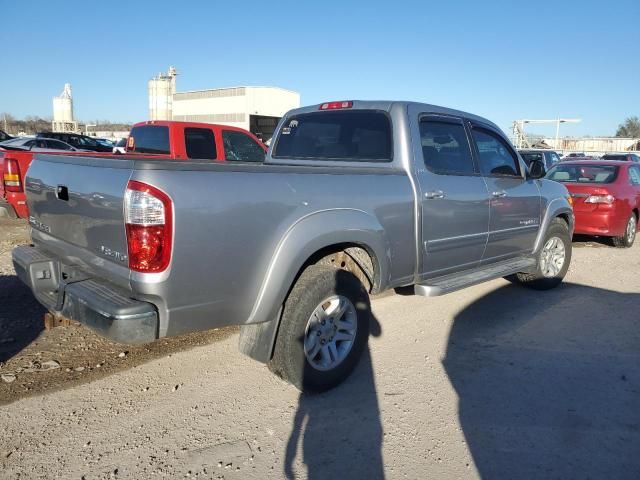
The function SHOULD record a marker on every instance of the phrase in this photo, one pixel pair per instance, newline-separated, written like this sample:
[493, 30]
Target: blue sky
[502, 60]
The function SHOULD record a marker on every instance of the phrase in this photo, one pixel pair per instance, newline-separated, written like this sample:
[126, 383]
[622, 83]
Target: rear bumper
[65, 292]
[609, 224]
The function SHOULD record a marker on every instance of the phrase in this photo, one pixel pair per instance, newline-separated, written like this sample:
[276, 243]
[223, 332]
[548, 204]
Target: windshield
[356, 135]
[583, 173]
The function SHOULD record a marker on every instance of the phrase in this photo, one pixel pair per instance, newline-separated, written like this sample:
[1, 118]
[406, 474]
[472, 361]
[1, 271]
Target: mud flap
[257, 340]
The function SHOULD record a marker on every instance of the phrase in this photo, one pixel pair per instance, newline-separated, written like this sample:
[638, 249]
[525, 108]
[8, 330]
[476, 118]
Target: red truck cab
[190, 140]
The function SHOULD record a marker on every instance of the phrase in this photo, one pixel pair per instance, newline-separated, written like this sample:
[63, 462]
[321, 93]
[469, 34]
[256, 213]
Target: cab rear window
[150, 139]
[355, 135]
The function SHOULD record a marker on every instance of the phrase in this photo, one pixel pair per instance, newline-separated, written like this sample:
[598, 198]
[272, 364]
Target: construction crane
[521, 137]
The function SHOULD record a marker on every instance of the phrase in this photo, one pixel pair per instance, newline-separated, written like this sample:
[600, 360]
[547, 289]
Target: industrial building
[257, 109]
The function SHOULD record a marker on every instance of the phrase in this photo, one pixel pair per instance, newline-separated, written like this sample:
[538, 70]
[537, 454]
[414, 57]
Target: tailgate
[76, 210]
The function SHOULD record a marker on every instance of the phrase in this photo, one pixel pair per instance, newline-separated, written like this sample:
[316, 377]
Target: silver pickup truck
[354, 198]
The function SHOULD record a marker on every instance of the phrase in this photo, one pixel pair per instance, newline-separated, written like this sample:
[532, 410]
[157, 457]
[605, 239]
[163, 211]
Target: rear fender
[308, 236]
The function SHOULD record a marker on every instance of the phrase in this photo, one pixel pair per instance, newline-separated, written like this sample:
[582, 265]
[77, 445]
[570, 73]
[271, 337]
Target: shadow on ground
[339, 432]
[549, 382]
[21, 317]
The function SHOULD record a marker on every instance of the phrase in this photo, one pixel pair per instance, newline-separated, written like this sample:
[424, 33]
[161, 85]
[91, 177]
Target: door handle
[434, 195]
[499, 194]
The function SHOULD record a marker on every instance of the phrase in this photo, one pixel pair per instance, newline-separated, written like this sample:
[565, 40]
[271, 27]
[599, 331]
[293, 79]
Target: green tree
[630, 128]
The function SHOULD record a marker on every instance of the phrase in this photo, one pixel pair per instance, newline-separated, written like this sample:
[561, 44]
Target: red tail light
[149, 223]
[335, 105]
[11, 175]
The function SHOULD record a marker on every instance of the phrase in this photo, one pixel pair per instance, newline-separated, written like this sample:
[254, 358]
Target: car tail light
[11, 175]
[608, 199]
[148, 214]
[335, 105]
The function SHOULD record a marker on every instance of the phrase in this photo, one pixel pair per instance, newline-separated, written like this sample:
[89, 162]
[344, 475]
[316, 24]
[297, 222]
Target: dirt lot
[495, 382]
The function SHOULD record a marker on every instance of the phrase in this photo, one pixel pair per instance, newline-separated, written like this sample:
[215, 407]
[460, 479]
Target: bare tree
[630, 128]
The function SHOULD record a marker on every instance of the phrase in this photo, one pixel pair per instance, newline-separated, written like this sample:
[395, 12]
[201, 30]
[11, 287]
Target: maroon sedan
[606, 197]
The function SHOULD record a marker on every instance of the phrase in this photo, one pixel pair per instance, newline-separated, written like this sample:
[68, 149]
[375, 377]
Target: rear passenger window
[240, 147]
[445, 148]
[200, 143]
[496, 157]
[634, 175]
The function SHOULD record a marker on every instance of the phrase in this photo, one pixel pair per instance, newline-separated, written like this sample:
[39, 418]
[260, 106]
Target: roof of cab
[387, 105]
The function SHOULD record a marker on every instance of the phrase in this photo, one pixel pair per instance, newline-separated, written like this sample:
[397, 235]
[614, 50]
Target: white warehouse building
[257, 109]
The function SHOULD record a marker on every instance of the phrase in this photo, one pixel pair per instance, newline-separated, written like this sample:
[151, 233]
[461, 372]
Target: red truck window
[200, 143]
[240, 147]
[150, 139]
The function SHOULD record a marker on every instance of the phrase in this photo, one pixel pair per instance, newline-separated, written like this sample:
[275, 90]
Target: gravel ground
[494, 381]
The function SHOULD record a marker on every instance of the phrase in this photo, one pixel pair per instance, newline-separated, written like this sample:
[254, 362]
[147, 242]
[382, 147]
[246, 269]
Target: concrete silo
[63, 120]
[161, 91]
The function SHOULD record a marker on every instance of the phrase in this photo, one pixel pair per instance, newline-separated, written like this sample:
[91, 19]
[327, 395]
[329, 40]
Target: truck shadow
[340, 431]
[21, 317]
[549, 383]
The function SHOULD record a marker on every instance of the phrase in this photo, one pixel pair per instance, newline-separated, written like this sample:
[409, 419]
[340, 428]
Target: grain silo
[161, 90]
[63, 120]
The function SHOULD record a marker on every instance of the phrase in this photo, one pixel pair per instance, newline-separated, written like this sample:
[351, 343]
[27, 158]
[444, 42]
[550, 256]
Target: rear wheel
[629, 236]
[324, 329]
[553, 259]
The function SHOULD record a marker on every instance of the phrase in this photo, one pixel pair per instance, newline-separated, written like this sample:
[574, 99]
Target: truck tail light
[607, 199]
[336, 105]
[11, 175]
[148, 216]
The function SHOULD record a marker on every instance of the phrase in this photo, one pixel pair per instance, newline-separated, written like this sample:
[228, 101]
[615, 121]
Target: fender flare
[557, 207]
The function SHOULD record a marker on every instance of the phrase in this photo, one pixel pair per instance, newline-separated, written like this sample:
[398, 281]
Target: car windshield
[356, 135]
[583, 173]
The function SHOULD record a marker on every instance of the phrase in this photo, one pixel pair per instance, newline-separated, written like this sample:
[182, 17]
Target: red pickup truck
[189, 140]
[176, 140]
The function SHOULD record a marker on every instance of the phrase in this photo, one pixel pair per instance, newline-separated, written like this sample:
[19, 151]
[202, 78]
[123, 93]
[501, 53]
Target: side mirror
[536, 169]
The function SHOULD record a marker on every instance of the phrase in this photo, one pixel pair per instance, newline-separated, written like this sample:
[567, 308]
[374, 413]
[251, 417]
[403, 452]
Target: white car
[39, 144]
[120, 146]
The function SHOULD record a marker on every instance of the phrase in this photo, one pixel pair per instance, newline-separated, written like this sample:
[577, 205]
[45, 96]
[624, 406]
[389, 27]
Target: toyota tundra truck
[353, 198]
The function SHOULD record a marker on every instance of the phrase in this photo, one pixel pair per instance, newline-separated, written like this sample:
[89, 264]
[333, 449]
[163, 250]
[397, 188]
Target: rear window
[150, 139]
[353, 135]
[583, 173]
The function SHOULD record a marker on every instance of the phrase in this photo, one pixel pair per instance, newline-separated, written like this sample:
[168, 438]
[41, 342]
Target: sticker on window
[286, 131]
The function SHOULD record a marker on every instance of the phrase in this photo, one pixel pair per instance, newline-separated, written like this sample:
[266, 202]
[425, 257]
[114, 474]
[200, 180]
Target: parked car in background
[39, 144]
[76, 140]
[105, 142]
[606, 197]
[120, 146]
[625, 157]
[4, 136]
[190, 140]
[547, 157]
[575, 155]
[354, 197]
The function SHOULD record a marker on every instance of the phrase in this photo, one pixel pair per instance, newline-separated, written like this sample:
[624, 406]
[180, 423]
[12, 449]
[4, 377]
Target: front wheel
[553, 259]
[324, 329]
[629, 236]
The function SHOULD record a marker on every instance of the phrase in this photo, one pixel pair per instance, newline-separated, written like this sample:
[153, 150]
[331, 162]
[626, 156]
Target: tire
[319, 290]
[540, 280]
[629, 236]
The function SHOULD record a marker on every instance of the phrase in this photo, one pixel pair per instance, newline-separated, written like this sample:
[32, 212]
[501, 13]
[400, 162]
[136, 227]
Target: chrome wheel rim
[330, 333]
[631, 229]
[552, 257]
